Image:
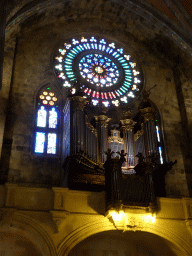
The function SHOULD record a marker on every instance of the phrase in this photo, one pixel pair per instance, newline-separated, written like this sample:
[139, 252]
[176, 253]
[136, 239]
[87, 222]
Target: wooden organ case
[86, 162]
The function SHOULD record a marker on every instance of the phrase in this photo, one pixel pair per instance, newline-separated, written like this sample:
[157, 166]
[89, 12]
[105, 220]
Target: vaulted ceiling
[172, 18]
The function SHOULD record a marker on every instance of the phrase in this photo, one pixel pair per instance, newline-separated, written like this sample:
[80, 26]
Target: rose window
[105, 74]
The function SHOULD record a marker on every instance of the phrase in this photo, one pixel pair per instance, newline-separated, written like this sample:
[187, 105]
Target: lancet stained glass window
[47, 121]
[104, 72]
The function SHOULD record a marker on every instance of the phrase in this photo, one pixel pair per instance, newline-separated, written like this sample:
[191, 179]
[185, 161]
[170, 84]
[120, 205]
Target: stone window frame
[59, 128]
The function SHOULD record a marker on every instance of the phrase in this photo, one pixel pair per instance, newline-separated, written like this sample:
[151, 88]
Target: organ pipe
[150, 131]
[102, 136]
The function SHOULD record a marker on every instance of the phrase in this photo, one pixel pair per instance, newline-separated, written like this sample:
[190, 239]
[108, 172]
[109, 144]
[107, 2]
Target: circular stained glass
[106, 75]
[99, 70]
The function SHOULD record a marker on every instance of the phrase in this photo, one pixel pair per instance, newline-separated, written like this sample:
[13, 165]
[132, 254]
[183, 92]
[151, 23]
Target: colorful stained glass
[39, 142]
[51, 103]
[51, 144]
[52, 118]
[41, 117]
[101, 67]
[98, 69]
[48, 98]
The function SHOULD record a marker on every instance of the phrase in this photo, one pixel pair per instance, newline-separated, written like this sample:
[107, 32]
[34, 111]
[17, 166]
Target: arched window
[47, 122]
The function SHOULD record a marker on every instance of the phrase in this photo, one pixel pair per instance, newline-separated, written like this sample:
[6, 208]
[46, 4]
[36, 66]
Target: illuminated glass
[51, 147]
[39, 142]
[52, 118]
[98, 70]
[47, 114]
[41, 117]
[102, 69]
[161, 156]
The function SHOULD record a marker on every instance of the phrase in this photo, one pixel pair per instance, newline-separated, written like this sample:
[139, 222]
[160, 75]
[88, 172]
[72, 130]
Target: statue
[113, 178]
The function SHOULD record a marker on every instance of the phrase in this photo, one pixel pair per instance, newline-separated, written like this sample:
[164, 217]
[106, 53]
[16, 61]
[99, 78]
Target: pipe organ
[87, 144]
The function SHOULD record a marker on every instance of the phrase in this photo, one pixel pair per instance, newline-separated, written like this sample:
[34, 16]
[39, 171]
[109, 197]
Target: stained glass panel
[51, 145]
[99, 66]
[39, 142]
[52, 118]
[41, 117]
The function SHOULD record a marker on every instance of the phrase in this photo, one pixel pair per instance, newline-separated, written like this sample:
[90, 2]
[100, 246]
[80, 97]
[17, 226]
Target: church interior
[95, 128]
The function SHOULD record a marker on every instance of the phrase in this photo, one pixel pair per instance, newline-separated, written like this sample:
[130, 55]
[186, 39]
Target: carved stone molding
[138, 134]
[59, 219]
[125, 221]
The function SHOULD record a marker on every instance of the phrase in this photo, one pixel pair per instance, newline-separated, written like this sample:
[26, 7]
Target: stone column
[149, 131]
[3, 6]
[102, 136]
[78, 124]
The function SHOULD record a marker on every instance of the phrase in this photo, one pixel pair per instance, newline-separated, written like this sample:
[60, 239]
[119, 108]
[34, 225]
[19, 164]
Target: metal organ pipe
[150, 131]
[78, 126]
[128, 125]
[102, 137]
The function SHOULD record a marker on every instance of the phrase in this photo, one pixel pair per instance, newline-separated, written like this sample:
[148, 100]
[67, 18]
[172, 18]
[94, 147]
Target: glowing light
[67, 84]
[161, 156]
[117, 216]
[95, 102]
[112, 45]
[135, 72]
[59, 67]
[105, 103]
[115, 102]
[132, 64]
[157, 130]
[136, 80]
[62, 51]
[127, 57]
[73, 91]
[59, 58]
[83, 39]
[149, 218]
[130, 94]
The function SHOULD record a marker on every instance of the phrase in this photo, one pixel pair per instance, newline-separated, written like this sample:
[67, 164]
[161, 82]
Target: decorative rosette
[105, 75]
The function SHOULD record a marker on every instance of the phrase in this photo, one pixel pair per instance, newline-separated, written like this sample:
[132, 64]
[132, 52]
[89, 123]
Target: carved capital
[148, 113]
[78, 102]
[102, 120]
[128, 124]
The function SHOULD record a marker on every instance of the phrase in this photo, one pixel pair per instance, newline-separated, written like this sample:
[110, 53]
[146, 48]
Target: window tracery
[47, 122]
[108, 76]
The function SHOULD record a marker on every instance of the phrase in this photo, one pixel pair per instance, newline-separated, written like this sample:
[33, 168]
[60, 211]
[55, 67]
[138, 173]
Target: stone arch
[179, 246]
[19, 225]
[140, 9]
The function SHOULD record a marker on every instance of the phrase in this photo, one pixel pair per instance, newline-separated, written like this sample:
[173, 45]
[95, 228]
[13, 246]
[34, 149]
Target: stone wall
[33, 68]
